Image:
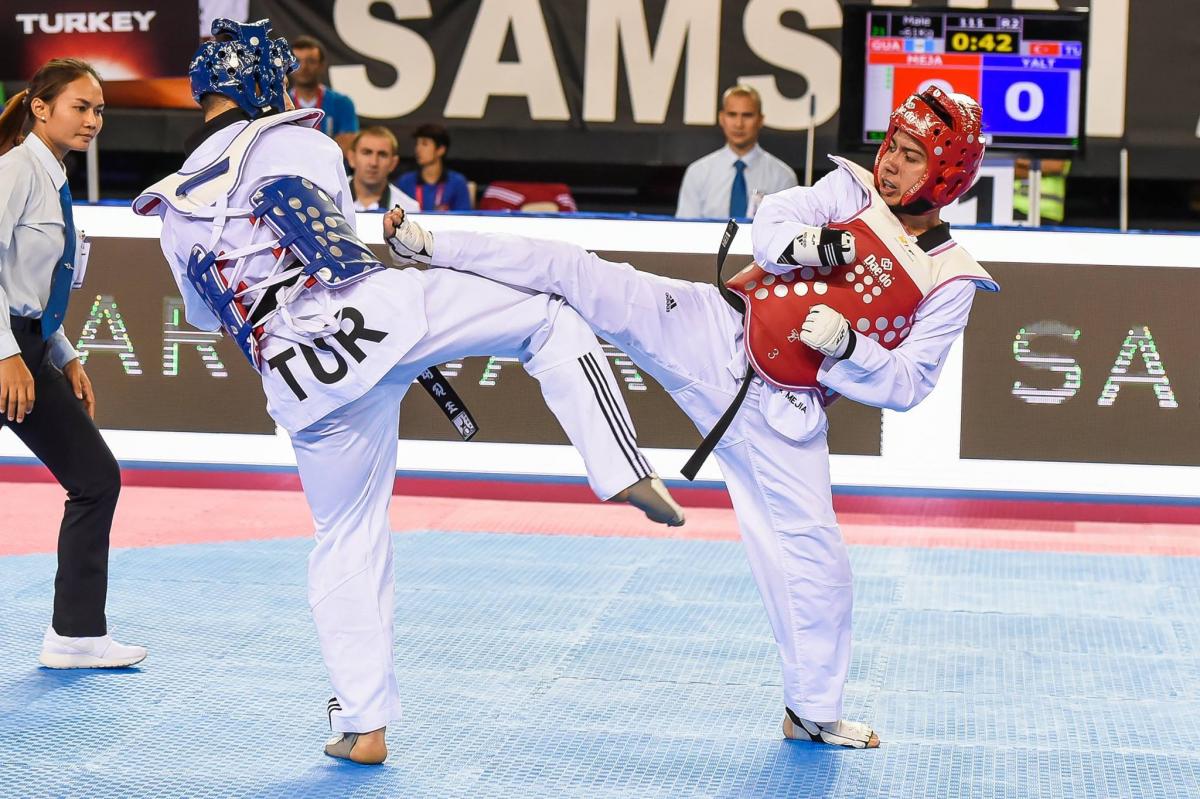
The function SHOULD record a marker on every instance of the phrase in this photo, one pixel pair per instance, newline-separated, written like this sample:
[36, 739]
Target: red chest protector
[878, 294]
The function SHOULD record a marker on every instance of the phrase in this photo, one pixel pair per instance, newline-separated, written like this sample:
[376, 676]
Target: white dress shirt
[31, 240]
[708, 182]
[394, 197]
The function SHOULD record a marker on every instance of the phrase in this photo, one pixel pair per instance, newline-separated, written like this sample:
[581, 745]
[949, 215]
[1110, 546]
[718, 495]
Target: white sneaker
[98, 652]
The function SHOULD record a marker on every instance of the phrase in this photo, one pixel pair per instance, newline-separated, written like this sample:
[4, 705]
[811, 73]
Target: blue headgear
[248, 68]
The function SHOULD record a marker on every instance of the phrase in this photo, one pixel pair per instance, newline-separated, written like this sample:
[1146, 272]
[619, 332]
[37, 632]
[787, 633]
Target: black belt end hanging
[447, 399]
[692, 467]
[709, 443]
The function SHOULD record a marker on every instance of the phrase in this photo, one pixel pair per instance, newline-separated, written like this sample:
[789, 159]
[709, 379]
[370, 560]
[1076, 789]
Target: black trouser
[63, 437]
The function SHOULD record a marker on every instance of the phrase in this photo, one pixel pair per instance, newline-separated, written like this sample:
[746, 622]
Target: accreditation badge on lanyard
[83, 248]
[437, 197]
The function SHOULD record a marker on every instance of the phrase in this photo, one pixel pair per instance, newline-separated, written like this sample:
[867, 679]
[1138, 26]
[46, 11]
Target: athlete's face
[902, 167]
[73, 119]
[373, 159]
[426, 151]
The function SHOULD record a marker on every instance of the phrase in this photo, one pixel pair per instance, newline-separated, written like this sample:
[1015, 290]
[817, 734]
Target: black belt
[23, 324]
[431, 379]
[709, 443]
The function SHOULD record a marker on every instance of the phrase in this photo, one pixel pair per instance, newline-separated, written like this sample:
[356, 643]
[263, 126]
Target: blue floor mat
[561, 666]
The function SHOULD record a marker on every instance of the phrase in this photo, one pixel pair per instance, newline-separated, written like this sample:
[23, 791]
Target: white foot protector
[850, 734]
[97, 652]
[650, 496]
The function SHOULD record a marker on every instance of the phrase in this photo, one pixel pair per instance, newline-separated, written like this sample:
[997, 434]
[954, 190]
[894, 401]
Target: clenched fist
[826, 331]
[409, 242]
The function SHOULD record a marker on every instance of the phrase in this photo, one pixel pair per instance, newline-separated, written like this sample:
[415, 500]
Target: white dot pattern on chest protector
[761, 294]
[863, 324]
[889, 337]
[768, 280]
[807, 273]
[781, 291]
[820, 288]
[801, 289]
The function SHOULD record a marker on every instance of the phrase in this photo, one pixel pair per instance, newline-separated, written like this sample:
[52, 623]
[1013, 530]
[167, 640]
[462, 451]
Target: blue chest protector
[313, 229]
[310, 227]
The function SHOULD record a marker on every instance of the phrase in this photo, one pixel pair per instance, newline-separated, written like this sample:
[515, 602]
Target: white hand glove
[411, 243]
[820, 246]
[826, 331]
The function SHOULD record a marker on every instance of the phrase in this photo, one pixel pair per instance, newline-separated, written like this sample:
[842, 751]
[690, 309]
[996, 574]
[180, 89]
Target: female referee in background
[45, 396]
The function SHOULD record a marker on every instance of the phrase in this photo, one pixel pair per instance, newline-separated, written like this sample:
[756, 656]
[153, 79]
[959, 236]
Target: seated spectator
[434, 187]
[731, 181]
[505, 195]
[373, 155]
[307, 91]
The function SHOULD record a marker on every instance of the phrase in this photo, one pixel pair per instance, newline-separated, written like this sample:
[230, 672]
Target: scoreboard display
[1027, 69]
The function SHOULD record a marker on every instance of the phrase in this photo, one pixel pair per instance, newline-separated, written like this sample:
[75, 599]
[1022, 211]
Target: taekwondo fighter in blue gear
[258, 229]
[858, 289]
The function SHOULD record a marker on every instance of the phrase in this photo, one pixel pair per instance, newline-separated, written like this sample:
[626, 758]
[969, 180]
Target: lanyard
[437, 197]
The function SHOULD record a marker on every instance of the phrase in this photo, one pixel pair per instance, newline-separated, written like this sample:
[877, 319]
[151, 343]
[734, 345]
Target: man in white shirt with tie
[723, 184]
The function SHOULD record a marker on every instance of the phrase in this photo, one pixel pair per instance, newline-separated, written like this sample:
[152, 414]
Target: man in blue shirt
[341, 121]
[431, 184]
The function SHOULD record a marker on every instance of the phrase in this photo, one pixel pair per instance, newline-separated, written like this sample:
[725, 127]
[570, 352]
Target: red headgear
[950, 129]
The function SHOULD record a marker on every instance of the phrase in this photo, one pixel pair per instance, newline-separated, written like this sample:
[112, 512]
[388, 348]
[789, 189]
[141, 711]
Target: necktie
[737, 195]
[60, 282]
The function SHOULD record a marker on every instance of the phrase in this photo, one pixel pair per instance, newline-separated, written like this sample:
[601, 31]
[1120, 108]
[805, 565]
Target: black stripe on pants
[64, 438]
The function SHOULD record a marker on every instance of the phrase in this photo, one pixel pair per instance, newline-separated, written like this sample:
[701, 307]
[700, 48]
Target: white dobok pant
[689, 339]
[347, 464]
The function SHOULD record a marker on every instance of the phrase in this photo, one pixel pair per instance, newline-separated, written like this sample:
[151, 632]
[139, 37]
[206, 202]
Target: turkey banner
[140, 49]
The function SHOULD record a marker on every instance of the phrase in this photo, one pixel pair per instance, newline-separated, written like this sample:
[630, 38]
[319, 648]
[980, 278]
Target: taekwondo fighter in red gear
[858, 291]
[258, 229]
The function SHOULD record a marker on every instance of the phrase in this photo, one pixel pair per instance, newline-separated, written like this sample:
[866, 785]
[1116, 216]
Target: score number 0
[1024, 100]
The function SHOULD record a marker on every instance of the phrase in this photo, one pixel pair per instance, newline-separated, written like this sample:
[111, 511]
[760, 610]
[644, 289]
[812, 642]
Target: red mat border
[903, 504]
